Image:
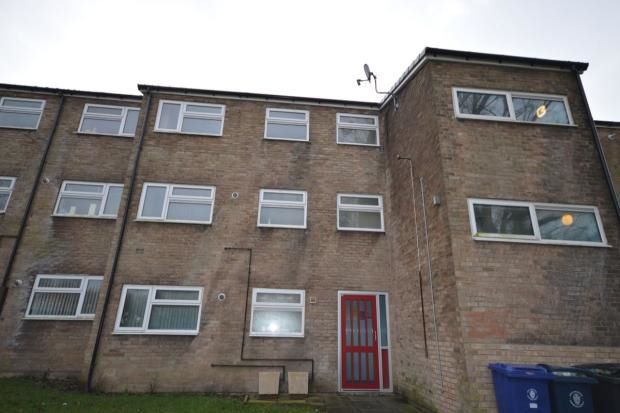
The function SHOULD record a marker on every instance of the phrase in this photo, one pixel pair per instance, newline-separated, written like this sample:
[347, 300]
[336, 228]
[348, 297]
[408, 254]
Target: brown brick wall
[610, 141]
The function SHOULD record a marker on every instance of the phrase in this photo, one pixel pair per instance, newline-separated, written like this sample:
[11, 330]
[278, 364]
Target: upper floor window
[149, 309]
[6, 189]
[109, 120]
[532, 222]
[20, 113]
[357, 129]
[282, 209]
[512, 106]
[64, 297]
[277, 313]
[286, 124]
[189, 204]
[190, 117]
[88, 199]
[360, 212]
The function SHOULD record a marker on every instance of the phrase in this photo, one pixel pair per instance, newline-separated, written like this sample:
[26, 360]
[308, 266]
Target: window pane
[90, 297]
[383, 320]
[134, 307]
[283, 196]
[176, 295]
[276, 321]
[4, 198]
[179, 191]
[287, 115]
[104, 111]
[16, 103]
[497, 219]
[280, 130]
[354, 200]
[568, 225]
[6, 183]
[189, 211]
[131, 122]
[169, 116]
[19, 120]
[154, 202]
[173, 317]
[199, 125]
[360, 219]
[79, 206]
[114, 200]
[60, 282]
[101, 126]
[356, 120]
[485, 104]
[58, 304]
[540, 110]
[212, 110]
[282, 216]
[287, 298]
[84, 188]
[360, 136]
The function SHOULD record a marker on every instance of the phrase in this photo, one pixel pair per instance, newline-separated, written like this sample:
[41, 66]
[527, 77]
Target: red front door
[358, 342]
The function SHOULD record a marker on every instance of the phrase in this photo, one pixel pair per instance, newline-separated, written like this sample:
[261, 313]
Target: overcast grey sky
[306, 48]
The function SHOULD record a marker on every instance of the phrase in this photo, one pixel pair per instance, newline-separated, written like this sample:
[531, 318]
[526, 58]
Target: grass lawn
[29, 395]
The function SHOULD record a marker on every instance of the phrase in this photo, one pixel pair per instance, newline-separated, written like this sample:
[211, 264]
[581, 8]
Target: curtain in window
[54, 304]
[173, 317]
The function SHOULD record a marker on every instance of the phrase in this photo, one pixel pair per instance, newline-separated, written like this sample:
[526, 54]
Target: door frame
[389, 341]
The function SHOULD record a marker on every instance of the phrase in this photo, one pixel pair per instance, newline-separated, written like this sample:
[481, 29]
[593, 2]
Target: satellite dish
[367, 71]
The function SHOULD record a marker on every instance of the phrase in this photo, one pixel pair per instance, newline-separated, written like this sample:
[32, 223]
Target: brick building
[186, 240]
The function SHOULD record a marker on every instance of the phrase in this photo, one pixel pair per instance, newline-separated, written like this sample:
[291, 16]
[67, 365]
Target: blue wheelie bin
[570, 390]
[521, 388]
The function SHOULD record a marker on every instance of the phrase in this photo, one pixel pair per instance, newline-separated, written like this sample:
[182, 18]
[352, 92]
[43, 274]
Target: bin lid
[568, 374]
[521, 371]
[609, 372]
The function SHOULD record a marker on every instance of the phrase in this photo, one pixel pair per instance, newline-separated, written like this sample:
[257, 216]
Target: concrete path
[344, 403]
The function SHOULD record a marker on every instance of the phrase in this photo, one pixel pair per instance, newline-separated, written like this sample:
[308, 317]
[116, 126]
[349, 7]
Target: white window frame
[536, 238]
[361, 126]
[8, 191]
[150, 302]
[171, 198]
[87, 195]
[359, 208]
[282, 204]
[122, 117]
[305, 122]
[279, 306]
[183, 112]
[511, 110]
[82, 290]
[22, 110]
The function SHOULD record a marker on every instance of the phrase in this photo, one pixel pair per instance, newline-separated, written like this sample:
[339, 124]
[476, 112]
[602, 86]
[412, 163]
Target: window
[20, 113]
[511, 106]
[532, 222]
[60, 297]
[148, 309]
[6, 189]
[282, 209]
[190, 117]
[177, 203]
[88, 199]
[357, 129]
[285, 124]
[109, 120]
[277, 313]
[360, 212]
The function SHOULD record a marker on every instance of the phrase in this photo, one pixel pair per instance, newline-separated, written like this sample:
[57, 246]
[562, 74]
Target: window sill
[56, 318]
[172, 132]
[82, 217]
[154, 333]
[18, 128]
[544, 242]
[112, 135]
[280, 226]
[359, 144]
[266, 138]
[257, 335]
[379, 231]
[493, 119]
[168, 221]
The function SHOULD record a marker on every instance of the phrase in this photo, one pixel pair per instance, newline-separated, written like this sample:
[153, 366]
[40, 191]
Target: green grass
[24, 395]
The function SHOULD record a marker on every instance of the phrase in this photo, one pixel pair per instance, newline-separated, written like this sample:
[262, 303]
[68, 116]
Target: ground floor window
[277, 313]
[64, 297]
[146, 309]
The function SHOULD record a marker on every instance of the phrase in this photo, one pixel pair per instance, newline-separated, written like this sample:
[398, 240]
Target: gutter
[22, 226]
[117, 251]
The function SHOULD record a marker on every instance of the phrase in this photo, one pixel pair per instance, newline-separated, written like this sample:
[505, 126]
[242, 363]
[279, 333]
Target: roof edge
[607, 123]
[73, 92]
